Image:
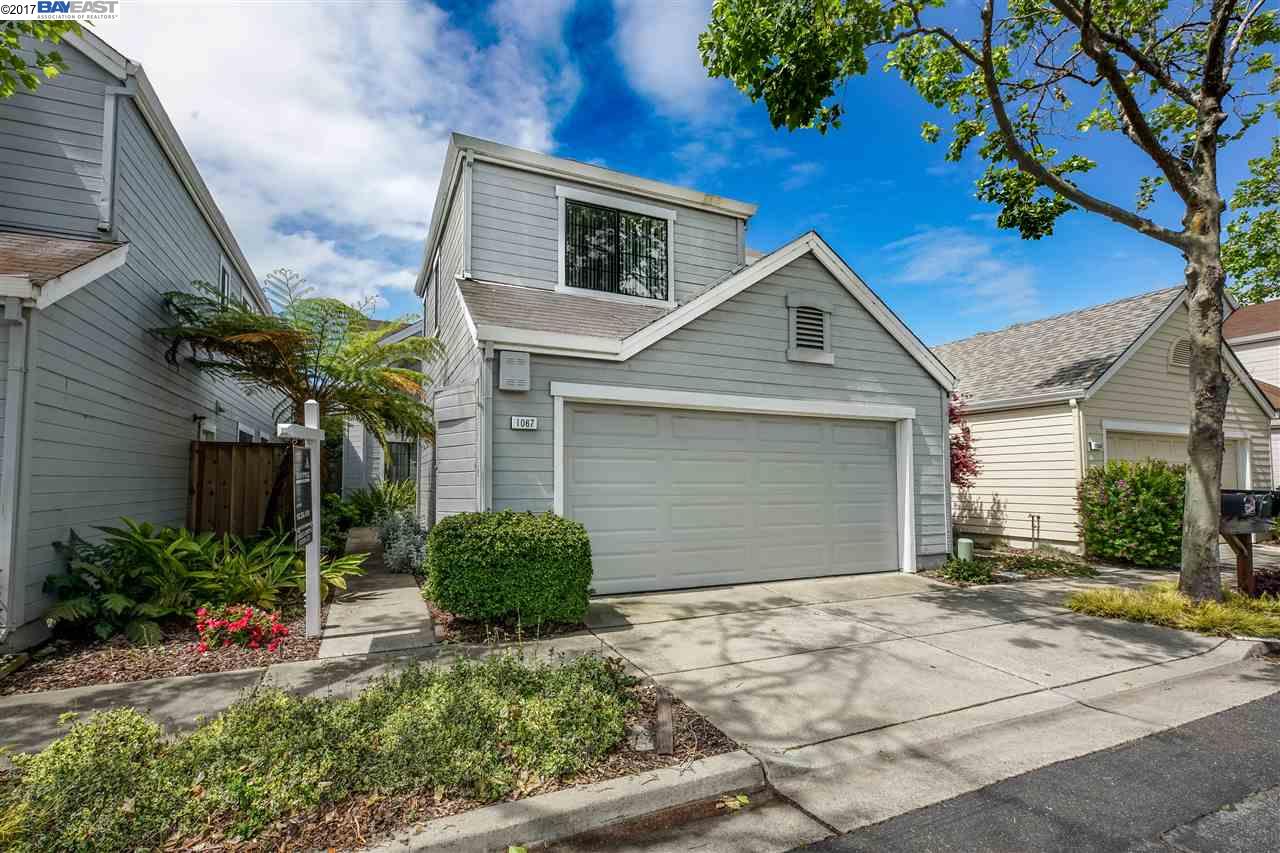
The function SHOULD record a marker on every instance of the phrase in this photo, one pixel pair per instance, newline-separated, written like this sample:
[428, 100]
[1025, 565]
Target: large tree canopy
[14, 69]
[1040, 90]
[312, 348]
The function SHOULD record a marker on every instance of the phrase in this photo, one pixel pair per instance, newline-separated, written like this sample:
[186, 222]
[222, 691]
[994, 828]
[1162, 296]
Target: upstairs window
[615, 247]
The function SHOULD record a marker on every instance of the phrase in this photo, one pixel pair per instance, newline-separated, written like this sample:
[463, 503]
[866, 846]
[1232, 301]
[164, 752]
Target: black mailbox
[1250, 503]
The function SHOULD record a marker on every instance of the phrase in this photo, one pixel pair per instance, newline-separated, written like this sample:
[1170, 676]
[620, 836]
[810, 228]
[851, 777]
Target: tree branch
[1214, 84]
[1135, 121]
[1037, 170]
[1144, 62]
[1230, 60]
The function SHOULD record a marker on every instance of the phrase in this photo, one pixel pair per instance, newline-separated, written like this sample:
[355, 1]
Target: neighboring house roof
[612, 332]
[1067, 356]
[542, 310]
[1253, 322]
[131, 74]
[464, 149]
[1064, 353]
[44, 268]
[1271, 391]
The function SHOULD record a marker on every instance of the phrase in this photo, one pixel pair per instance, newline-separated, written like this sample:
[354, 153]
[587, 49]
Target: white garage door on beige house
[1052, 397]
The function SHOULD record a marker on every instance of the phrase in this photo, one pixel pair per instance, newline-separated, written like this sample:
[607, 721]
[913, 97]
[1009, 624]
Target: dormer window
[615, 247]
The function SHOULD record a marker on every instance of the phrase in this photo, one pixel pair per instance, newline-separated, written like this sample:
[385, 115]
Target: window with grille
[809, 336]
[402, 461]
[616, 251]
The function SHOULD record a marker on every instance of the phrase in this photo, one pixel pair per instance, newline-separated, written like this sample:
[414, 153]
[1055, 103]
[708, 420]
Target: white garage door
[676, 498]
[1170, 448]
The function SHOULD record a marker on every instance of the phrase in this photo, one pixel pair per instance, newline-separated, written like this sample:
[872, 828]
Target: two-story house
[101, 211]
[613, 356]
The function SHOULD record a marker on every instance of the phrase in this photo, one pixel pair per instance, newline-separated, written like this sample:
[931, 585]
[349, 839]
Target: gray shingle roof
[1059, 353]
[541, 310]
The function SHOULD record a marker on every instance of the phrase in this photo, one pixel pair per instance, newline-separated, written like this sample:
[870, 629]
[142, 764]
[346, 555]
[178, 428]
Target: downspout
[1082, 441]
[484, 441]
[11, 464]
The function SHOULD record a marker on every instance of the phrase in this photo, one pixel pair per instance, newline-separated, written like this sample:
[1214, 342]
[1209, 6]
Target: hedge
[1132, 512]
[510, 566]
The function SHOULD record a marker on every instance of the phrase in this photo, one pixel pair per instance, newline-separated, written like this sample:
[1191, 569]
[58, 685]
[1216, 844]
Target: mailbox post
[306, 501]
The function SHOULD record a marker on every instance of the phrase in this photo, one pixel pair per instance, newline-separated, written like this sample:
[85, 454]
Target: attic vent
[811, 328]
[809, 336]
[1180, 354]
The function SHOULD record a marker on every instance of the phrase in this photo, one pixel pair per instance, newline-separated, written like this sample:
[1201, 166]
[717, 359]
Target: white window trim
[207, 427]
[902, 416]
[1243, 443]
[616, 203]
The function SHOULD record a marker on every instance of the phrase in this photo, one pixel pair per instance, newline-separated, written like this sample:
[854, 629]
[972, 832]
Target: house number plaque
[523, 422]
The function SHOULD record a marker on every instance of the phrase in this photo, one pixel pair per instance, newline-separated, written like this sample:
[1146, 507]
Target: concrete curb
[561, 814]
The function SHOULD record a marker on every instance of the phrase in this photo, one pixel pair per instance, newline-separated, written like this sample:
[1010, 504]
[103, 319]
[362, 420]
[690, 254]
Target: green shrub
[404, 543]
[478, 730]
[371, 505]
[510, 565]
[967, 571]
[1132, 512]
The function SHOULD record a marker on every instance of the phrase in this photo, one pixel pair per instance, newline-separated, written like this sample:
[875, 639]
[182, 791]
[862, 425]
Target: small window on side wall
[809, 329]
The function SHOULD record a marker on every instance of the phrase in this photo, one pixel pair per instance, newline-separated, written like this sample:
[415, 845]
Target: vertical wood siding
[51, 150]
[515, 233]
[453, 387]
[1030, 465]
[740, 348]
[112, 420]
[1148, 389]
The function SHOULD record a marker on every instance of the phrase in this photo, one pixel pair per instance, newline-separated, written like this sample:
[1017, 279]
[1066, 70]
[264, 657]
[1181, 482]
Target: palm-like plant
[311, 348]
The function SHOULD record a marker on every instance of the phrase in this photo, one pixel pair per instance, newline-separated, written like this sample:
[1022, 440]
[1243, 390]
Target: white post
[311, 419]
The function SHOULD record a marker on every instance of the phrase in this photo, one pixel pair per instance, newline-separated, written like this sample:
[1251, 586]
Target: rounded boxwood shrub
[510, 565]
[1132, 511]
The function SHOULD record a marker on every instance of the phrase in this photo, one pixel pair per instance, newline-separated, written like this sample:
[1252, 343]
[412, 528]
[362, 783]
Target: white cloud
[658, 47]
[321, 127]
[801, 174]
[953, 258]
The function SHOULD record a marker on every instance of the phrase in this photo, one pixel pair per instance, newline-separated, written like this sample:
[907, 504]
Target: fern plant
[103, 594]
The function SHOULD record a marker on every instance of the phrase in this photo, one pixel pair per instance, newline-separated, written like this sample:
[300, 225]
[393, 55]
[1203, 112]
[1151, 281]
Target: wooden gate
[238, 488]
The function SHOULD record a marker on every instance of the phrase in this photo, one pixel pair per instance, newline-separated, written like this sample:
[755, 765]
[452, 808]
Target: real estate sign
[303, 521]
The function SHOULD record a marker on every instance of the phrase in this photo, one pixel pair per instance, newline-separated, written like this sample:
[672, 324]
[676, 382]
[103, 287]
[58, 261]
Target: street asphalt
[1210, 785]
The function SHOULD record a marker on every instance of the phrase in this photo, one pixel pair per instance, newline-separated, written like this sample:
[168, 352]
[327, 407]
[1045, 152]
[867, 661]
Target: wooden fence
[238, 488]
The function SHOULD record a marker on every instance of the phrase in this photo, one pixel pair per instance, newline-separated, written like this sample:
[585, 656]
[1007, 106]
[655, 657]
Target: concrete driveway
[866, 696]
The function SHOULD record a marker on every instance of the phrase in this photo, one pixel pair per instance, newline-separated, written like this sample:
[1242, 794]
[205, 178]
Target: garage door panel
[1172, 448]
[728, 498]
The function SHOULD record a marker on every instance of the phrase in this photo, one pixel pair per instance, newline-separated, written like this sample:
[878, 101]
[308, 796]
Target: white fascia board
[17, 287]
[1025, 401]
[450, 179]
[1147, 333]
[409, 331]
[71, 281]
[1162, 428]
[667, 399]
[1254, 339]
[466, 311]
[566, 344]
[586, 173]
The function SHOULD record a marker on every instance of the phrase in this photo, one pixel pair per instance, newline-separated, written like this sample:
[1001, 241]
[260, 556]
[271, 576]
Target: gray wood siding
[51, 150]
[740, 348]
[355, 469]
[112, 420]
[514, 233]
[453, 388]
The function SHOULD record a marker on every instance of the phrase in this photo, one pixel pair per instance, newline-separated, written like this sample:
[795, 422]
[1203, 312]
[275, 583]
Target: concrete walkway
[379, 612]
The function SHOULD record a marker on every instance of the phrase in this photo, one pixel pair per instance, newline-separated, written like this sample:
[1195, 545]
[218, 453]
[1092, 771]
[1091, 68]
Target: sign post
[306, 500]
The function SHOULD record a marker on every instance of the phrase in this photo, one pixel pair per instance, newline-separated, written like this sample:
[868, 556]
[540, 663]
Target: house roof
[1066, 352]
[1252, 321]
[41, 258]
[1272, 392]
[568, 324]
[541, 310]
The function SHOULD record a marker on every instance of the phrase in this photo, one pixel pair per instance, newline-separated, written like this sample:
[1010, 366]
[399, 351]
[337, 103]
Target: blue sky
[321, 130]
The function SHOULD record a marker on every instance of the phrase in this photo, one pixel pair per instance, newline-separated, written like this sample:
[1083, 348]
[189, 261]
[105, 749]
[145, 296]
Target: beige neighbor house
[1254, 335]
[1049, 398]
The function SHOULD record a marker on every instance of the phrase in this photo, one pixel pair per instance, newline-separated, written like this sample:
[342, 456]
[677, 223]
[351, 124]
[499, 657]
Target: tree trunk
[1209, 387]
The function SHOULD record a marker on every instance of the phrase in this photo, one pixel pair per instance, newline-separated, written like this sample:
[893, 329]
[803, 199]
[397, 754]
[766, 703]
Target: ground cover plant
[477, 732]
[1163, 604]
[986, 568]
[404, 543]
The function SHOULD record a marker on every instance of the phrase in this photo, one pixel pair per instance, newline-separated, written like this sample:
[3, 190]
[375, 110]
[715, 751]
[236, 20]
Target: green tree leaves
[1251, 253]
[17, 36]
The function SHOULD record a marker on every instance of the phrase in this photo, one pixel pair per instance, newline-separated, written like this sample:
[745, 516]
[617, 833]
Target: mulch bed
[360, 821]
[78, 663]
[454, 629]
